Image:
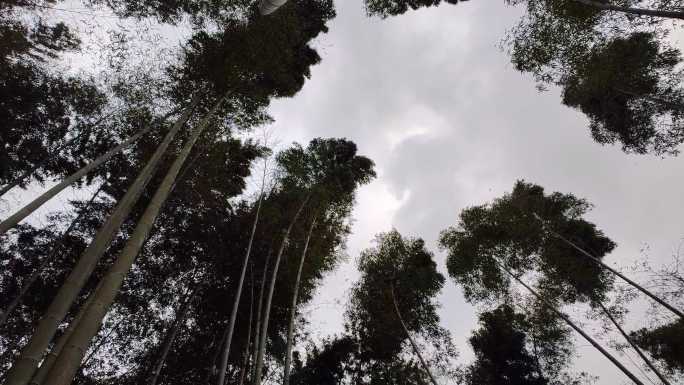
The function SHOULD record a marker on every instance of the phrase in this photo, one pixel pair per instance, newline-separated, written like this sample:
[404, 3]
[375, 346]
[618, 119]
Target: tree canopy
[508, 233]
[501, 354]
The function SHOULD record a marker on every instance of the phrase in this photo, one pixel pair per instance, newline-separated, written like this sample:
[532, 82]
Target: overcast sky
[434, 102]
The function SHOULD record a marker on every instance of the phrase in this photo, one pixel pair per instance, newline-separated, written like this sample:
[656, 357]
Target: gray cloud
[433, 101]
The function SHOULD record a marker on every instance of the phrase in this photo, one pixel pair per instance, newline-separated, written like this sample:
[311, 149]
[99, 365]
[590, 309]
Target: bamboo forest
[324, 192]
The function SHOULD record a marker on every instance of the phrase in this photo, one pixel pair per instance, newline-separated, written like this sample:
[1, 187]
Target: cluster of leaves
[512, 232]
[614, 67]
[521, 233]
[196, 247]
[258, 59]
[385, 8]
[665, 343]
[501, 354]
[407, 266]
[199, 234]
[631, 93]
[41, 110]
[373, 349]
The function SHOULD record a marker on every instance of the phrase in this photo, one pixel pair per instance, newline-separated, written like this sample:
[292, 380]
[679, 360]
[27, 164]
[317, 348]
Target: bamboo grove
[169, 267]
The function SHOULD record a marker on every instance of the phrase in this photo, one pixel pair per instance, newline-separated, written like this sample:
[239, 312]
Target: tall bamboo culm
[238, 293]
[25, 366]
[171, 336]
[26, 285]
[27, 210]
[267, 306]
[20, 179]
[579, 330]
[293, 308]
[634, 346]
[408, 334]
[260, 301]
[617, 273]
[70, 358]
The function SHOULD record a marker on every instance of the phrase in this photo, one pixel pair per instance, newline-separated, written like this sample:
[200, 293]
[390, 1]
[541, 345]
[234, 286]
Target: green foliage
[630, 91]
[257, 60]
[385, 8]
[325, 365]
[373, 350]
[406, 263]
[200, 12]
[622, 77]
[40, 111]
[548, 42]
[328, 169]
[507, 233]
[665, 343]
[501, 354]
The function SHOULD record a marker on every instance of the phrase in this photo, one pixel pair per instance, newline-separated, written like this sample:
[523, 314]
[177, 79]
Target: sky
[434, 101]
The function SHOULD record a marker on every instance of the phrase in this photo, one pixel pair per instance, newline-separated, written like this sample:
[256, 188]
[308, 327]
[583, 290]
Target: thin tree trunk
[53, 252]
[257, 324]
[25, 366]
[600, 263]
[269, 298]
[69, 359]
[27, 210]
[238, 294]
[267, 7]
[101, 343]
[653, 99]
[246, 361]
[50, 359]
[212, 369]
[17, 181]
[293, 308]
[171, 336]
[633, 11]
[576, 328]
[413, 343]
[633, 345]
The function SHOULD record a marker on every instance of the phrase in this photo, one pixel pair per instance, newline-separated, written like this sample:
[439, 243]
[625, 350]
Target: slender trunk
[53, 252]
[50, 359]
[238, 294]
[171, 336]
[69, 359]
[600, 263]
[633, 11]
[257, 324]
[653, 99]
[536, 357]
[24, 367]
[16, 182]
[269, 298]
[293, 308]
[576, 328]
[27, 210]
[246, 361]
[212, 369]
[267, 7]
[101, 343]
[413, 343]
[633, 345]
